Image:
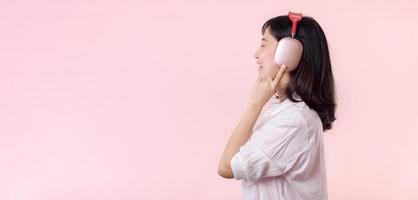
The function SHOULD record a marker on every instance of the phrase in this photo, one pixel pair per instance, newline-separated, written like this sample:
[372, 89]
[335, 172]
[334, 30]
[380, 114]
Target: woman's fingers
[279, 76]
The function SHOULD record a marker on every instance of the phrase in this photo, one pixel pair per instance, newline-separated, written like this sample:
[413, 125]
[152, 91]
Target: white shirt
[284, 157]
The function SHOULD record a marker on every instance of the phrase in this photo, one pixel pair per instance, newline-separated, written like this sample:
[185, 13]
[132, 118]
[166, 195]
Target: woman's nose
[256, 53]
[256, 58]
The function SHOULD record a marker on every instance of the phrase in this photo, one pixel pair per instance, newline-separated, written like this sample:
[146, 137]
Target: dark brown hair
[312, 80]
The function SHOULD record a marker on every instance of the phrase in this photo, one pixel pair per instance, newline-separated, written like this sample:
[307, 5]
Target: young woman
[283, 156]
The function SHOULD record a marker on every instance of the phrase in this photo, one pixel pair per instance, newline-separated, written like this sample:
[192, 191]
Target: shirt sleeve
[272, 150]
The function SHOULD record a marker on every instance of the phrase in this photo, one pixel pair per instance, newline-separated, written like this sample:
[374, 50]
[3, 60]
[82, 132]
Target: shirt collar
[279, 106]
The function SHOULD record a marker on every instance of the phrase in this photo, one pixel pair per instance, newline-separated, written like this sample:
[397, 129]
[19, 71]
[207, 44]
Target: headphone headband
[295, 18]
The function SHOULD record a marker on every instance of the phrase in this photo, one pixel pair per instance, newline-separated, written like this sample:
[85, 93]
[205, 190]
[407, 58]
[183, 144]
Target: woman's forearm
[239, 137]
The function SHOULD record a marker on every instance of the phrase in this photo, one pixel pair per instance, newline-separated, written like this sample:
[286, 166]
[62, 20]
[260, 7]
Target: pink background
[136, 99]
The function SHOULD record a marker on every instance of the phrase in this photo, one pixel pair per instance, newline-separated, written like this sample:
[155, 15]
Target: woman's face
[265, 58]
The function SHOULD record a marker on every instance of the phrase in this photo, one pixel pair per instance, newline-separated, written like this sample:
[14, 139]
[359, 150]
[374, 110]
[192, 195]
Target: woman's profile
[282, 157]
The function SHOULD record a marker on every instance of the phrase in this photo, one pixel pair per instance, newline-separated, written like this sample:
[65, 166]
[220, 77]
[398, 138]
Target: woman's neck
[280, 95]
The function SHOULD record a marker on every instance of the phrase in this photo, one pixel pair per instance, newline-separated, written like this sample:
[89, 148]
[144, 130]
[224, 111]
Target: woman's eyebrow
[264, 39]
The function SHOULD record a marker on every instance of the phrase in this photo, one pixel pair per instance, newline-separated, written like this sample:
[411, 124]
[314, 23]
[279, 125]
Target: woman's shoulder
[303, 112]
[293, 111]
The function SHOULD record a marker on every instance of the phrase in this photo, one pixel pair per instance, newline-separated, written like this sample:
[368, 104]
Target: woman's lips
[260, 67]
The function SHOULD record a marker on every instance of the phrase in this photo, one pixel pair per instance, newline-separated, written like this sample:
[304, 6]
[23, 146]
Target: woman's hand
[265, 88]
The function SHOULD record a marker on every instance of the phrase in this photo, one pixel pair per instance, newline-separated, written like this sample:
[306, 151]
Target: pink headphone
[289, 50]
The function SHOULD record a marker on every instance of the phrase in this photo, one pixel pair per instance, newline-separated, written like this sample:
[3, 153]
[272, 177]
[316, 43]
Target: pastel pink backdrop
[136, 99]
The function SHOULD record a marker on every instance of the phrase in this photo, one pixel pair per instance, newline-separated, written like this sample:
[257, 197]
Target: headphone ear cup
[288, 52]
